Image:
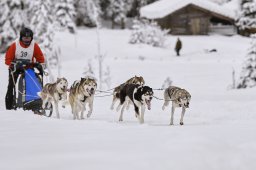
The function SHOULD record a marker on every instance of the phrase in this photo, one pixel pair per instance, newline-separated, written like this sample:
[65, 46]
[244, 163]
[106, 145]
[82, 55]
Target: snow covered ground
[220, 125]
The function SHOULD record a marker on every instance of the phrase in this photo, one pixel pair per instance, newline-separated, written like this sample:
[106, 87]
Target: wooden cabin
[188, 17]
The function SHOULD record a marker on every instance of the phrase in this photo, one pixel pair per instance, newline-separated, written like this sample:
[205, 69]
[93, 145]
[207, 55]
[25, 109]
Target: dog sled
[28, 84]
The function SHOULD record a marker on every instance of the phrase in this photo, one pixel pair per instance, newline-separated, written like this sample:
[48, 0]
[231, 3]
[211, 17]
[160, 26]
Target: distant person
[22, 48]
[178, 47]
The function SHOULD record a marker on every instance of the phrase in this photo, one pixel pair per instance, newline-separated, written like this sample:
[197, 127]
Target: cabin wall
[187, 21]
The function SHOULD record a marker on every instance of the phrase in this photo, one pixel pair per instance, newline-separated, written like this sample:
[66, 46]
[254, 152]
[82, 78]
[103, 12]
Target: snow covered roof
[163, 8]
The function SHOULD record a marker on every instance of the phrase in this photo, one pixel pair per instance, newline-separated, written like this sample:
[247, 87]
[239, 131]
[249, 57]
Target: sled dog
[139, 96]
[82, 92]
[179, 97]
[54, 93]
[116, 93]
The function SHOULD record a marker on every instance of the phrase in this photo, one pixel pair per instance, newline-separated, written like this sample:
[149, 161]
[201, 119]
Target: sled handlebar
[21, 64]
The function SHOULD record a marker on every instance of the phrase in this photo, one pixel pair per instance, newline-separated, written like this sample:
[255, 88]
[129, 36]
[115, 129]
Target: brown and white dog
[82, 92]
[116, 93]
[54, 93]
[179, 97]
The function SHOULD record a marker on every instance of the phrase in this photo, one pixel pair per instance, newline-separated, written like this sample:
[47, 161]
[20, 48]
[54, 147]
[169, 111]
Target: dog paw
[163, 107]
[171, 124]
[181, 123]
[120, 120]
[89, 114]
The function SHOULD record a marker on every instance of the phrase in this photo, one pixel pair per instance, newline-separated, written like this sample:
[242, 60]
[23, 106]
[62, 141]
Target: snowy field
[219, 127]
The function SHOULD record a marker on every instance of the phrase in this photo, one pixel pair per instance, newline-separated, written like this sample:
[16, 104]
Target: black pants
[10, 98]
[178, 52]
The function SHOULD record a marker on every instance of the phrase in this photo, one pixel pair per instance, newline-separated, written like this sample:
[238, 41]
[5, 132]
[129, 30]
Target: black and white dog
[139, 96]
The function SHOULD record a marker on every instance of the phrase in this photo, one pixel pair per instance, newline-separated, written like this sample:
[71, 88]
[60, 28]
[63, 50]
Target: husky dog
[179, 97]
[140, 96]
[82, 92]
[54, 93]
[116, 93]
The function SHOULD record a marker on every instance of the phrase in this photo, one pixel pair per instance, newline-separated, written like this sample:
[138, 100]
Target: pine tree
[107, 6]
[42, 22]
[134, 11]
[137, 35]
[248, 75]
[104, 6]
[117, 12]
[85, 11]
[247, 19]
[12, 19]
[147, 32]
[65, 15]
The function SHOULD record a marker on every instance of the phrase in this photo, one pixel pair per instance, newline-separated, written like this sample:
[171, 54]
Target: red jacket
[10, 54]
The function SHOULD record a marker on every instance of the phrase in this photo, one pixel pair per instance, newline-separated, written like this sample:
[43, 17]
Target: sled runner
[29, 83]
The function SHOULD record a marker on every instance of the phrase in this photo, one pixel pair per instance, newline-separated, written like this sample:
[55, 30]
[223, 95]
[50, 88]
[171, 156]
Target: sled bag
[32, 85]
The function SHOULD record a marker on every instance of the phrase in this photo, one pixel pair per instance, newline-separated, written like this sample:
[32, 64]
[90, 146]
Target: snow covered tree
[65, 15]
[247, 18]
[117, 11]
[104, 76]
[104, 6]
[42, 23]
[134, 10]
[147, 32]
[85, 11]
[137, 33]
[248, 75]
[108, 5]
[12, 18]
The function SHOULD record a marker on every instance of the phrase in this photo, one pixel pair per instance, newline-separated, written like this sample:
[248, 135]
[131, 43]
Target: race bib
[24, 53]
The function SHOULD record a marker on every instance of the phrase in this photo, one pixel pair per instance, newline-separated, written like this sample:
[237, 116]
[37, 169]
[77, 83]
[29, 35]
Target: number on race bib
[24, 54]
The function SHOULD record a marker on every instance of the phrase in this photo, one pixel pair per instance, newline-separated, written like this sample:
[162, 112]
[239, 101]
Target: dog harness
[85, 97]
[168, 91]
[60, 97]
